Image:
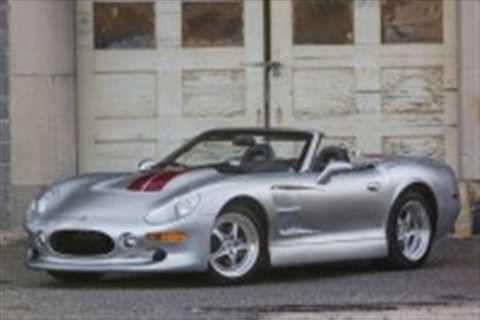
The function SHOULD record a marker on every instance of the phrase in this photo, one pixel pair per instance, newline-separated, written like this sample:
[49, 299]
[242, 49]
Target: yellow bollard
[469, 194]
[475, 196]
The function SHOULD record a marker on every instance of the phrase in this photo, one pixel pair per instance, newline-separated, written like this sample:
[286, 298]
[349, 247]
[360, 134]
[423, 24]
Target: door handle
[292, 188]
[275, 67]
[374, 186]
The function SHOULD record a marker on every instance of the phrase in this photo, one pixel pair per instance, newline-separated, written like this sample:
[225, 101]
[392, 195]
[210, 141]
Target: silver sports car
[233, 202]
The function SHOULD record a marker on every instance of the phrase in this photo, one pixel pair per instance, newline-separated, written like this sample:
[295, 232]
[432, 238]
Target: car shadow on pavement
[199, 280]
[18, 274]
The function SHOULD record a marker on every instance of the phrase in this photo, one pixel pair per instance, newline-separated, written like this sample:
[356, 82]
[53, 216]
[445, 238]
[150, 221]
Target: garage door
[377, 76]
[154, 73]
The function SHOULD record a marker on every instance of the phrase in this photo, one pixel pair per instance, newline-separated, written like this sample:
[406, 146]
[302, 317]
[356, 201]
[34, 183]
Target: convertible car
[234, 202]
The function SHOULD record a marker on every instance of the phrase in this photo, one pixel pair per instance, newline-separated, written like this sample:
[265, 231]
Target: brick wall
[4, 118]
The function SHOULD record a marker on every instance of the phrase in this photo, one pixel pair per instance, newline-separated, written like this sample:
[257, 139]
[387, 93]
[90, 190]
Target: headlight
[186, 205]
[42, 203]
[32, 211]
[175, 210]
[46, 200]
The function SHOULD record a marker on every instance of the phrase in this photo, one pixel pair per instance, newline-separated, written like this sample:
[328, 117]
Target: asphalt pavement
[449, 282]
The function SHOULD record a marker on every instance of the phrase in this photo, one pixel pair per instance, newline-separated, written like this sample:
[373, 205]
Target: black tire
[75, 277]
[396, 259]
[262, 260]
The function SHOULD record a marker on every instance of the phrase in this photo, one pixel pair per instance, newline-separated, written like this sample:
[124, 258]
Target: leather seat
[330, 153]
[257, 154]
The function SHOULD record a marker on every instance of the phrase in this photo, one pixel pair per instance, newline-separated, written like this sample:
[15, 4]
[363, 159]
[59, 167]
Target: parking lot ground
[464, 312]
[448, 287]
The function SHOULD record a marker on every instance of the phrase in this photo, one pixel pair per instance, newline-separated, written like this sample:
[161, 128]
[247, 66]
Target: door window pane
[406, 21]
[212, 24]
[323, 21]
[124, 25]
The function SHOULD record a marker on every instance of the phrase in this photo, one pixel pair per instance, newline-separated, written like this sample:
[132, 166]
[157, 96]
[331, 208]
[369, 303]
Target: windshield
[243, 152]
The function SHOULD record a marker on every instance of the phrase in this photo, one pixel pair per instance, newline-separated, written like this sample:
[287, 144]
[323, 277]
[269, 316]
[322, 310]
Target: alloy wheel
[235, 245]
[414, 230]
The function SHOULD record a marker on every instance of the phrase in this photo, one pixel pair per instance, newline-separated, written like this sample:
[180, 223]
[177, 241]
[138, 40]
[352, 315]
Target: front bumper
[176, 262]
[146, 256]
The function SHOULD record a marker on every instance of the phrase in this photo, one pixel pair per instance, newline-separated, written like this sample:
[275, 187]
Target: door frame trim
[267, 38]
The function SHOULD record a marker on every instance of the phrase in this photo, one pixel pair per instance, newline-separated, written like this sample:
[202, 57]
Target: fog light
[169, 236]
[128, 240]
[159, 255]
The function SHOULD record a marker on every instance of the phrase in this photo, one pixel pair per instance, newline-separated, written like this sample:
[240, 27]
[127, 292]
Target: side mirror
[333, 168]
[146, 165]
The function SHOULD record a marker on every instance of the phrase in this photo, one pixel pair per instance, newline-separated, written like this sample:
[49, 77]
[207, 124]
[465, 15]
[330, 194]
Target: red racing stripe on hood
[153, 181]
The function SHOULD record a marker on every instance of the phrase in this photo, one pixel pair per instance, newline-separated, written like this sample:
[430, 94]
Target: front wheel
[75, 277]
[238, 246]
[410, 233]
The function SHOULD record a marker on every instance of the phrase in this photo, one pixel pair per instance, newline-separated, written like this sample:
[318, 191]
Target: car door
[350, 205]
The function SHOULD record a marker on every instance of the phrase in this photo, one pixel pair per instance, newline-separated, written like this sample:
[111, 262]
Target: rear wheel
[238, 246]
[410, 233]
[75, 277]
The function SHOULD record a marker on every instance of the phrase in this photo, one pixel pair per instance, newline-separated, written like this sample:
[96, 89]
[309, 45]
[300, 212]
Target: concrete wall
[469, 74]
[470, 88]
[43, 102]
[4, 119]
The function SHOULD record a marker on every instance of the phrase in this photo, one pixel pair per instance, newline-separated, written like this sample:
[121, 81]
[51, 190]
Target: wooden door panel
[379, 92]
[154, 73]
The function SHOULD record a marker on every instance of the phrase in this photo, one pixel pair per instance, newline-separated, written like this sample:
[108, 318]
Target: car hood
[156, 183]
[105, 197]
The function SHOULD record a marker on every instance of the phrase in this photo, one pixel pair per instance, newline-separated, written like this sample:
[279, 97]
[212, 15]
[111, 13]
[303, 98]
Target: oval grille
[81, 243]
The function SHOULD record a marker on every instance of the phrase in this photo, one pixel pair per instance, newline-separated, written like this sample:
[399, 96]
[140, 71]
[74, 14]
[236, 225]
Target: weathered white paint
[412, 90]
[116, 99]
[42, 89]
[334, 87]
[195, 89]
[201, 98]
[127, 129]
[431, 146]
[123, 155]
[469, 49]
[402, 97]
[371, 92]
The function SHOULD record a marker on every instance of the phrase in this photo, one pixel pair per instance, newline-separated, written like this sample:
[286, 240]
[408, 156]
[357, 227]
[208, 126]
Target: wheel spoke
[243, 247]
[405, 241]
[219, 234]
[222, 252]
[234, 233]
[411, 239]
[232, 257]
[408, 218]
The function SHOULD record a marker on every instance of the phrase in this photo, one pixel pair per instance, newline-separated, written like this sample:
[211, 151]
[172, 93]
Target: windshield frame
[311, 139]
